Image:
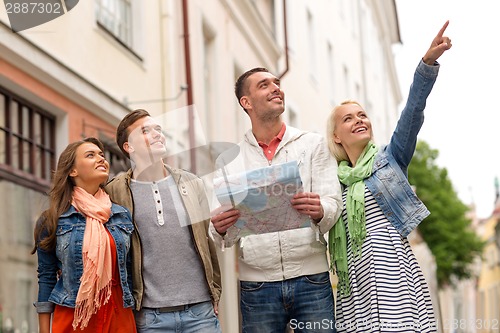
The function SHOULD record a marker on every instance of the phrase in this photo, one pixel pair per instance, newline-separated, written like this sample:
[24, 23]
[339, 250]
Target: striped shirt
[388, 290]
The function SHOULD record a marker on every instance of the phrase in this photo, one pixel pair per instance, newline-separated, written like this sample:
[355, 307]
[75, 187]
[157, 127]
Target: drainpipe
[362, 52]
[187, 61]
[162, 57]
[285, 31]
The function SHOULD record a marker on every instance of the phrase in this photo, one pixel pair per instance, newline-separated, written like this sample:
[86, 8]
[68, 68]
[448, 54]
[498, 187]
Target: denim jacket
[60, 270]
[388, 182]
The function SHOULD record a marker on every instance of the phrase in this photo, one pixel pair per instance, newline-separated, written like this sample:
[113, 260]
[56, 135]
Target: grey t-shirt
[172, 270]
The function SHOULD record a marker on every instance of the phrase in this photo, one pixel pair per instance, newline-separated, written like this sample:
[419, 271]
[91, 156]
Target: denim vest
[60, 270]
[388, 182]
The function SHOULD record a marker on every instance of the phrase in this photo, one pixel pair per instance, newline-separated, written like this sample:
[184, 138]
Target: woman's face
[91, 168]
[352, 126]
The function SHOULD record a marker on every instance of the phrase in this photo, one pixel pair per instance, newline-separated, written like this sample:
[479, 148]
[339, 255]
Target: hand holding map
[263, 198]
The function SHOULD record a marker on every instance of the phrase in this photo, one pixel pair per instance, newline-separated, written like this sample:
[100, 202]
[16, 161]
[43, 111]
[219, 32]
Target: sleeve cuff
[44, 307]
[430, 71]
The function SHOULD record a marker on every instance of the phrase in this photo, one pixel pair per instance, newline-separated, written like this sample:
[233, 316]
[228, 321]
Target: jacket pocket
[64, 251]
[383, 170]
[301, 244]
[260, 251]
[63, 234]
[126, 230]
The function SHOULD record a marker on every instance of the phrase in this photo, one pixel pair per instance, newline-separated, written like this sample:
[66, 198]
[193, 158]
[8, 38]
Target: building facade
[59, 82]
[488, 285]
[80, 73]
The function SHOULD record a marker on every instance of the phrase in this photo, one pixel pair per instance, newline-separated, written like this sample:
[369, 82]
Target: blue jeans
[305, 302]
[199, 318]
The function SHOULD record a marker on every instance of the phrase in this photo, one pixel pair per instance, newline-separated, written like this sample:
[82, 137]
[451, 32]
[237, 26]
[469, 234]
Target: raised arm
[439, 45]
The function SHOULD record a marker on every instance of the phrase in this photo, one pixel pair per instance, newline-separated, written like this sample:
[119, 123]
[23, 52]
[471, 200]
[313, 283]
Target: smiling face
[352, 128]
[263, 98]
[90, 168]
[146, 141]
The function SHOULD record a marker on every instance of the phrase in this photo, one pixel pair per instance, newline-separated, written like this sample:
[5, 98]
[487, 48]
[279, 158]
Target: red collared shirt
[270, 149]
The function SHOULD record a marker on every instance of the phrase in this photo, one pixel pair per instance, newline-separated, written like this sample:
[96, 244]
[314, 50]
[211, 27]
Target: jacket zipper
[270, 162]
[281, 257]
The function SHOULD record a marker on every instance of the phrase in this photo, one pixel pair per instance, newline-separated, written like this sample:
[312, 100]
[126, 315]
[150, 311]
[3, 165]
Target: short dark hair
[122, 132]
[241, 87]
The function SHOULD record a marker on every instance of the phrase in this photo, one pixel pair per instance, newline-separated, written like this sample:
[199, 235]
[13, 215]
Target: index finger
[441, 32]
[221, 209]
[306, 195]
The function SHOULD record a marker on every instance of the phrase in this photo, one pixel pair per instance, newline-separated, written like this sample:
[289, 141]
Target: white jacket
[288, 254]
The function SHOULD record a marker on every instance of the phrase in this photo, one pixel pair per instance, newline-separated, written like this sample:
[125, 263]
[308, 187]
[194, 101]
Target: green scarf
[356, 220]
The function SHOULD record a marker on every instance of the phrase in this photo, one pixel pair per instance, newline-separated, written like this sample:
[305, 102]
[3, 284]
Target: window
[118, 163]
[347, 82]
[115, 16]
[27, 142]
[491, 257]
[266, 11]
[331, 73]
[311, 35]
[292, 117]
[209, 78]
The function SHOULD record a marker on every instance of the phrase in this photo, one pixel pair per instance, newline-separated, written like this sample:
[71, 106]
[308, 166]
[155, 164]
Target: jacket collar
[291, 134]
[176, 174]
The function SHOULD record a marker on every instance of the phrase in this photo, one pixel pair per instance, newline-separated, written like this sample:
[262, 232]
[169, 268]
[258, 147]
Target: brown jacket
[195, 201]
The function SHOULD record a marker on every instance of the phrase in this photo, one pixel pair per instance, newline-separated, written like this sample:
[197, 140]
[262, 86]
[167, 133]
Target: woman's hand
[439, 45]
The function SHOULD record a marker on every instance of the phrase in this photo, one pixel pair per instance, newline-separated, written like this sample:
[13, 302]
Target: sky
[463, 111]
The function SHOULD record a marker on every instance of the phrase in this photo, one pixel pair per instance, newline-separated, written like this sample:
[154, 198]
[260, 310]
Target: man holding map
[289, 173]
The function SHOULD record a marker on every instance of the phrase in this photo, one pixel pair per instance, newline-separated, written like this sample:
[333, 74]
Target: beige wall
[488, 286]
[352, 58]
[20, 207]
[360, 36]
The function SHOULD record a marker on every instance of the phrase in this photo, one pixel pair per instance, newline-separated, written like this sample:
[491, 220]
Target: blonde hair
[337, 149]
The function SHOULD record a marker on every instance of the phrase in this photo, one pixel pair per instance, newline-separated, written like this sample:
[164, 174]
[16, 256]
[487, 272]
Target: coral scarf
[95, 286]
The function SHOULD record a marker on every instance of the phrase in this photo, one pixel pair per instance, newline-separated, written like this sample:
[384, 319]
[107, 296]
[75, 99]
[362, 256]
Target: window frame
[21, 166]
[128, 41]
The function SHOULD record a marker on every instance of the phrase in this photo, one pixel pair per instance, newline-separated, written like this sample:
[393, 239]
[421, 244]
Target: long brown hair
[60, 196]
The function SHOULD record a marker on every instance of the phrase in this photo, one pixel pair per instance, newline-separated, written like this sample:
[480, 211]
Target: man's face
[264, 98]
[146, 141]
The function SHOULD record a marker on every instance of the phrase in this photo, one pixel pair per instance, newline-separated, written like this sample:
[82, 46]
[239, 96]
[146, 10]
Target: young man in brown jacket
[176, 276]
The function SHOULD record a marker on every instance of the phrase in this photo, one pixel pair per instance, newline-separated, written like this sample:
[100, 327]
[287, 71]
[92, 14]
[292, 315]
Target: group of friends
[137, 253]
